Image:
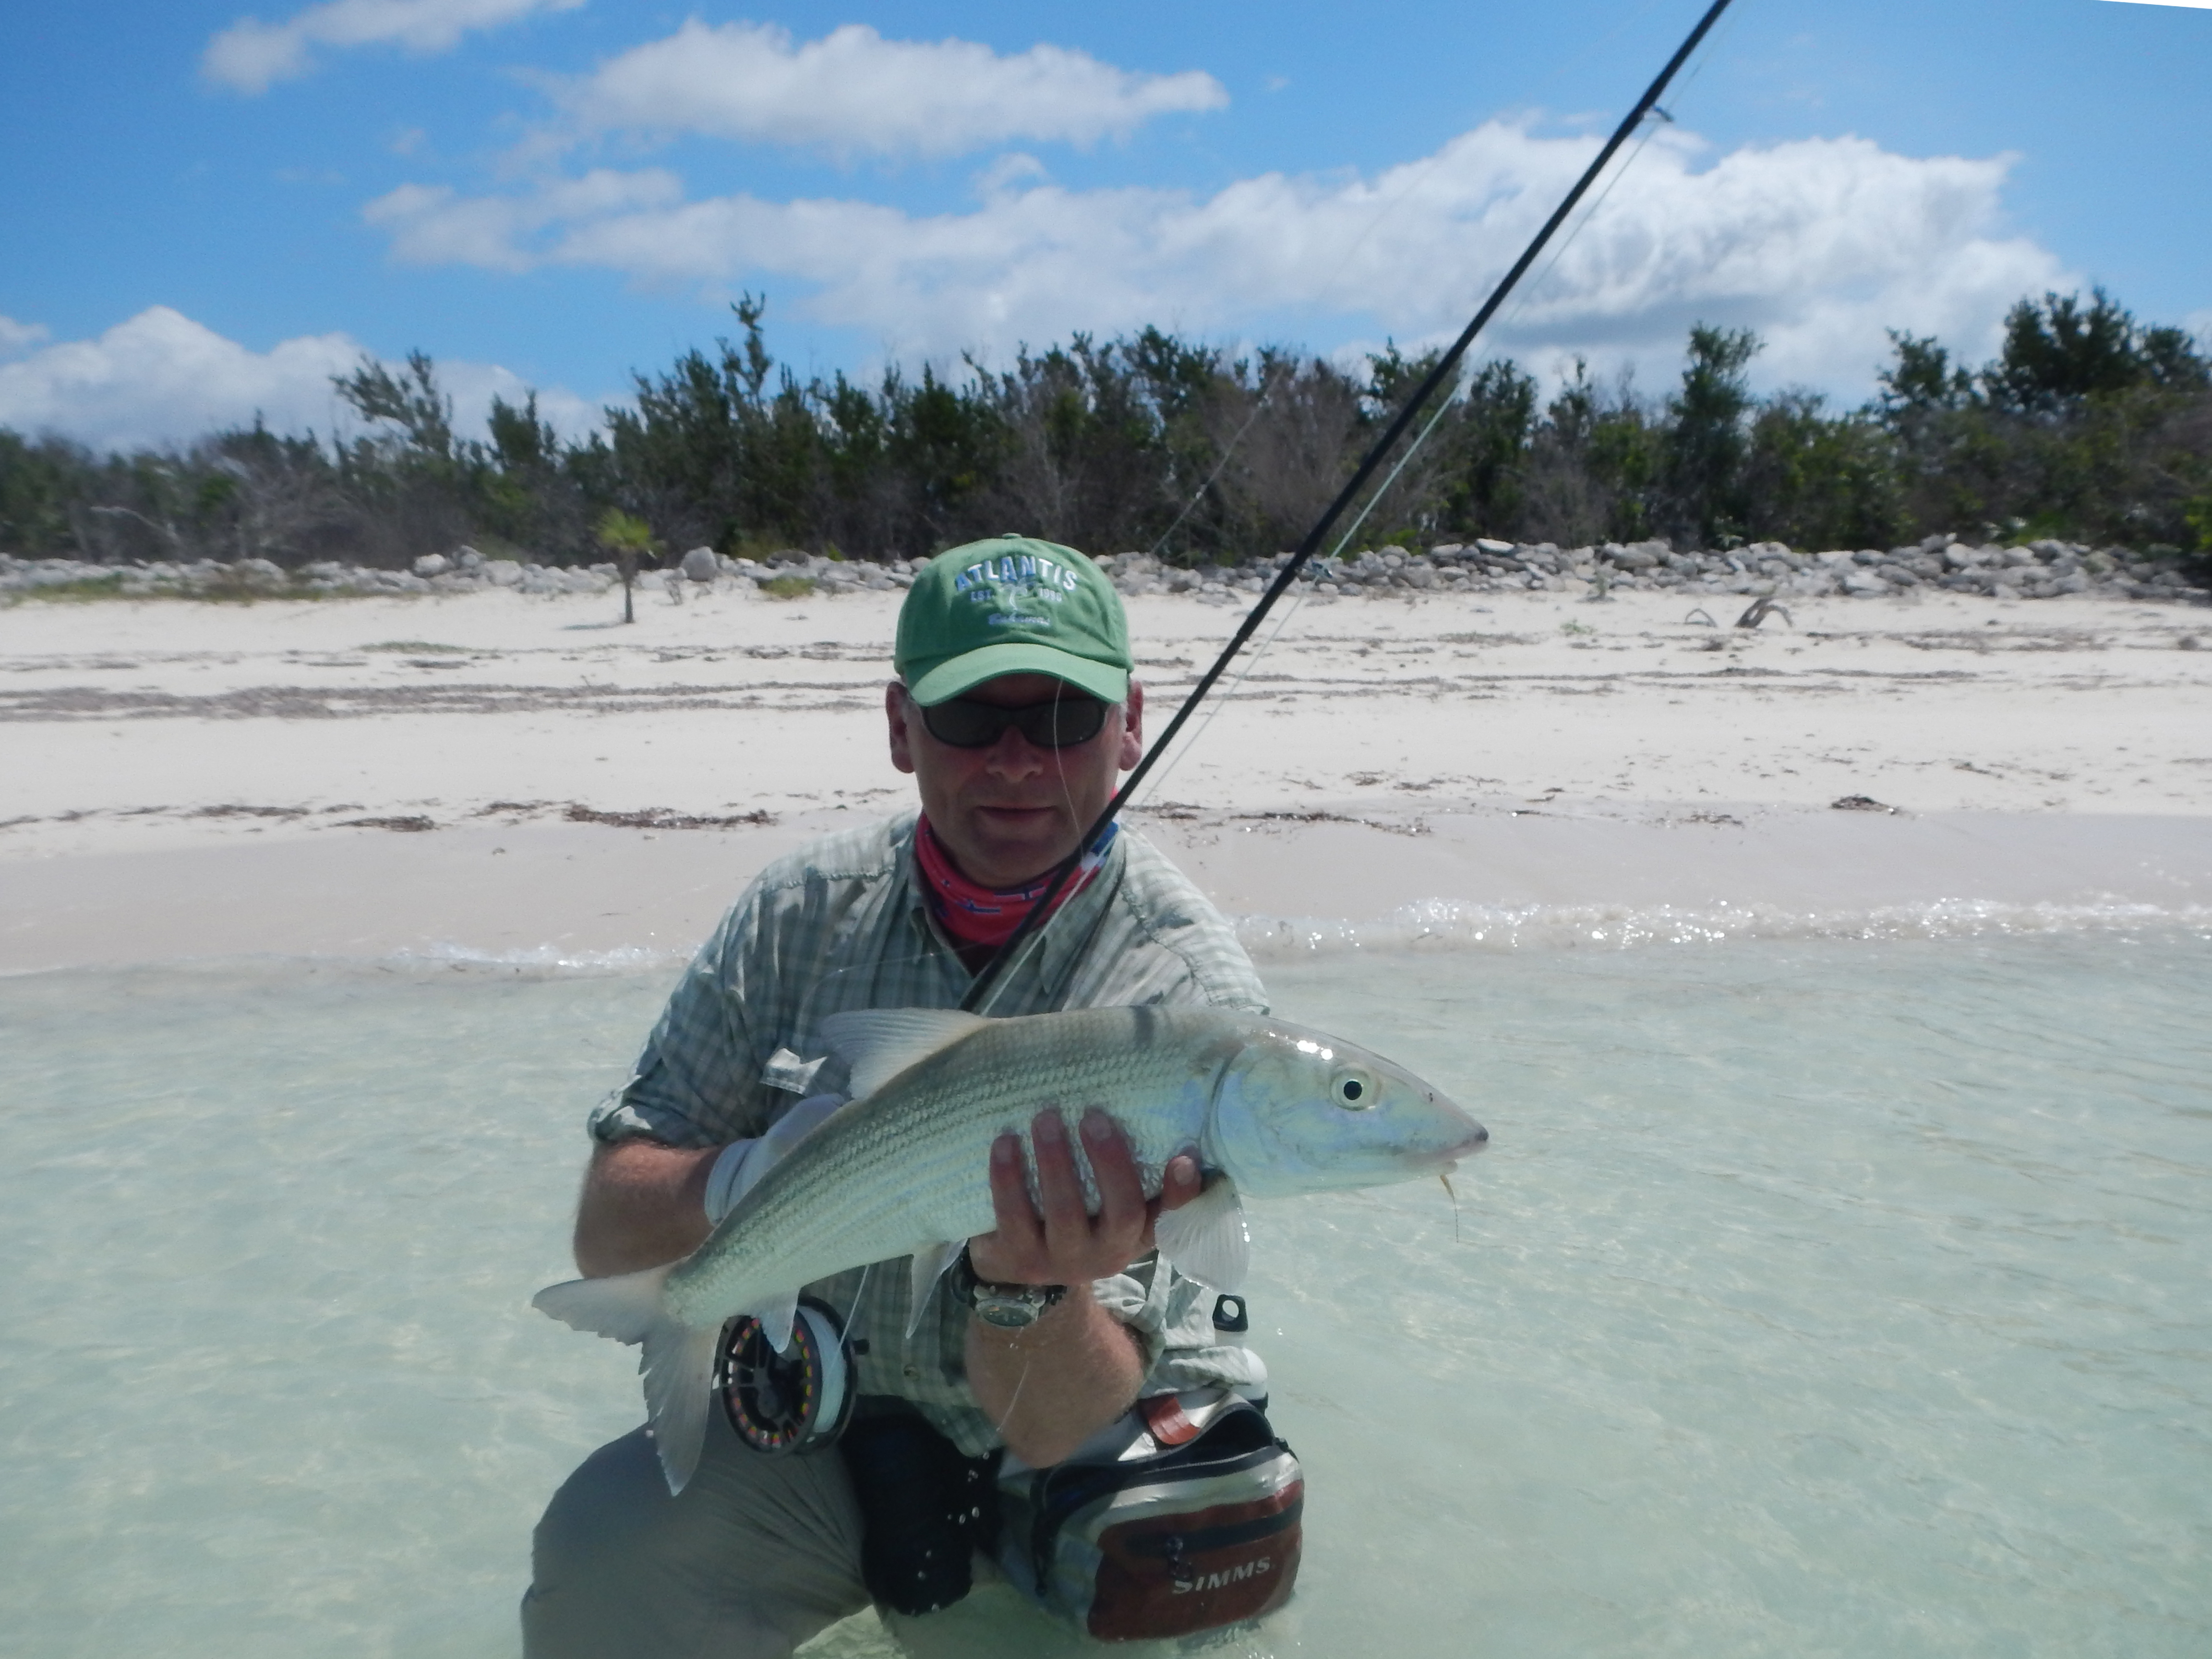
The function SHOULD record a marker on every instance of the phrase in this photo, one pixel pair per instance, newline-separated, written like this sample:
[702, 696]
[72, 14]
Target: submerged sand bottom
[1814, 1296]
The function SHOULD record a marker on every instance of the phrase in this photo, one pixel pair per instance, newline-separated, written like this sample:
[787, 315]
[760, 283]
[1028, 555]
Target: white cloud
[160, 378]
[433, 225]
[250, 55]
[16, 336]
[1819, 244]
[854, 93]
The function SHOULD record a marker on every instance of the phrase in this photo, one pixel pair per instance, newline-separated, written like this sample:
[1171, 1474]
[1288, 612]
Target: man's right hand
[1061, 1243]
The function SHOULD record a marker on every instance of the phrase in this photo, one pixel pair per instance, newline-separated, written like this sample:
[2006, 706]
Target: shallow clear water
[1815, 1296]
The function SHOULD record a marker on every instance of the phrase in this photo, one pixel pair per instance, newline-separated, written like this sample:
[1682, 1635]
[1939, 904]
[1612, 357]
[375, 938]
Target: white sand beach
[525, 776]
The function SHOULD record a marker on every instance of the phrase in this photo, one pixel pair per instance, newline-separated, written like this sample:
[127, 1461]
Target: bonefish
[901, 1169]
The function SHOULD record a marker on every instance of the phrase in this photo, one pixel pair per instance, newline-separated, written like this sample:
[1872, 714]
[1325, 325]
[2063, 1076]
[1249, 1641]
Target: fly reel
[791, 1401]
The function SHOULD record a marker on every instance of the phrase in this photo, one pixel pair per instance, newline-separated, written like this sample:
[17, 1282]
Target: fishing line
[1015, 1398]
[1519, 305]
[1223, 701]
[1253, 657]
[1413, 449]
[1445, 367]
[1575, 57]
[1252, 660]
[1421, 176]
[1596, 207]
[1267, 390]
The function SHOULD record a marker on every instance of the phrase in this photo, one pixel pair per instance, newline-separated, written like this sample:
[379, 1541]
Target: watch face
[1007, 1313]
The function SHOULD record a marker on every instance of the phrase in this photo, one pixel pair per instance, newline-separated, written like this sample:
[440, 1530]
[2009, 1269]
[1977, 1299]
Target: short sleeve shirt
[844, 924]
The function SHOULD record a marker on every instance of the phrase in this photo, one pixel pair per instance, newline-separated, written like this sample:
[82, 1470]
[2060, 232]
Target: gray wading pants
[757, 1555]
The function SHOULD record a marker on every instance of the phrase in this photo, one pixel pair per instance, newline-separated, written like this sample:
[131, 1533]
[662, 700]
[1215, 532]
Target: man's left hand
[1060, 1241]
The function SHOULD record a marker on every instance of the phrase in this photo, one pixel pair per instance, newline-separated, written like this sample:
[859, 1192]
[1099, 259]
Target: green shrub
[2089, 426]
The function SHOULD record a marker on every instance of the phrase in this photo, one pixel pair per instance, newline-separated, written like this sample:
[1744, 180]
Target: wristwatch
[1008, 1307]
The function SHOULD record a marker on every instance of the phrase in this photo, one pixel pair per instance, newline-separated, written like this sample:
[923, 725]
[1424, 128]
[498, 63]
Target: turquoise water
[1817, 1296]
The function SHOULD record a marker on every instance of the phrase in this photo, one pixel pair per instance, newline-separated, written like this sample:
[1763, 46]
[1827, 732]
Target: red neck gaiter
[976, 914]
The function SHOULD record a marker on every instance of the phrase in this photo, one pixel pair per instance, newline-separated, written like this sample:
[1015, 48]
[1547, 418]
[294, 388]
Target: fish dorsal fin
[1207, 1239]
[877, 1044]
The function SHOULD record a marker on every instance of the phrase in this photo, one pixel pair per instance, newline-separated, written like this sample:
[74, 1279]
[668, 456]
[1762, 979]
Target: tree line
[2089, 425]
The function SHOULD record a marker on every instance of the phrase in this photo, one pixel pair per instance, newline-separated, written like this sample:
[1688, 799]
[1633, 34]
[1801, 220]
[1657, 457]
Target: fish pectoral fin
[924, 1268]
[877, 1044]
[777, 1315]
[679, 1368]
[622, 1306]
[1207, 1239]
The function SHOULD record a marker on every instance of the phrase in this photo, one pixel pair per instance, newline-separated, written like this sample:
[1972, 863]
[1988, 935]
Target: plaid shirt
[843, 923]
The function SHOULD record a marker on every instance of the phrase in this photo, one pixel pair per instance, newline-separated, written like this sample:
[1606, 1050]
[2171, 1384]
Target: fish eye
[1352, 1089]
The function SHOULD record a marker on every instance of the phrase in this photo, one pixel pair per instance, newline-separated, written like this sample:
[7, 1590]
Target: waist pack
[1182, 1516]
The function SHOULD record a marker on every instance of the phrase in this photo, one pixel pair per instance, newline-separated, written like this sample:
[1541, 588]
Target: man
[1014, 712]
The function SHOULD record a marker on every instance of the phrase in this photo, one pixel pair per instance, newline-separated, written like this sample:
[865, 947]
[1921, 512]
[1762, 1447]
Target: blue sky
[210, 210]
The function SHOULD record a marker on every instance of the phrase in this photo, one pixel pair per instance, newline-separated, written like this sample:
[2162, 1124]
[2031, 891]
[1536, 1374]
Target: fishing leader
[1013, 710]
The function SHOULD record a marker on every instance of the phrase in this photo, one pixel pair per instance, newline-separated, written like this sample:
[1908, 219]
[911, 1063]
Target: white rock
[502, 572]
[432, 564]
[701, 565]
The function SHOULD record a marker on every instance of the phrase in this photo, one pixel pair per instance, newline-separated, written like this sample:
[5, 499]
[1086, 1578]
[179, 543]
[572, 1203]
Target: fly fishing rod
[1373, 460]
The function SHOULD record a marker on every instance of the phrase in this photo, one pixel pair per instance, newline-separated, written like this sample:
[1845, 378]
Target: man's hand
[1065, 1244]
[1051, 1386]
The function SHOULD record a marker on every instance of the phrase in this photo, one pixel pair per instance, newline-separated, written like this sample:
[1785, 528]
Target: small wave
[543, 958]
[1449, 924]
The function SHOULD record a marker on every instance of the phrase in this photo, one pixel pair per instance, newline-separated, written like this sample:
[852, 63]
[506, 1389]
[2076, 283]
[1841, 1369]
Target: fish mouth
[1478, 1139]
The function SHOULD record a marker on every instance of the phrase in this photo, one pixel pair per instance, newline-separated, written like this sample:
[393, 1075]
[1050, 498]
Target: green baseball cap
[1012, 604]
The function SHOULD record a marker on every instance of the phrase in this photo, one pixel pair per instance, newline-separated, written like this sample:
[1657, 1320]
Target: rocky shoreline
[2037, 570]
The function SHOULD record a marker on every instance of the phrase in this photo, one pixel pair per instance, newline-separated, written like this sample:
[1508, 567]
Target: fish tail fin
[678, 1367]
[677, 1363]
[622, 1306]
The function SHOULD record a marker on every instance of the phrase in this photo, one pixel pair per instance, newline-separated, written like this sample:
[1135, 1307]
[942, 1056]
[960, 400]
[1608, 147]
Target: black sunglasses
[1060, 723]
